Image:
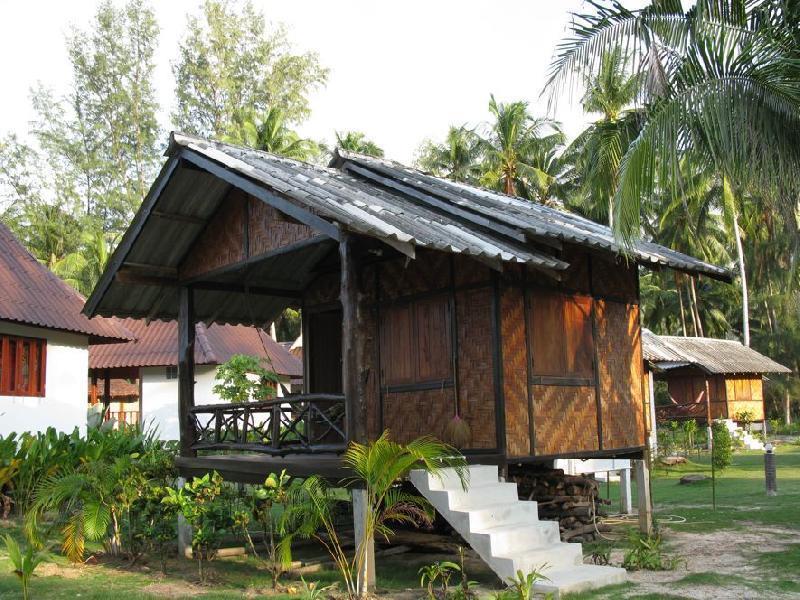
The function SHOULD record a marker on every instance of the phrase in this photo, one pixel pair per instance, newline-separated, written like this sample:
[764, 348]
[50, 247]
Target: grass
[741, 503]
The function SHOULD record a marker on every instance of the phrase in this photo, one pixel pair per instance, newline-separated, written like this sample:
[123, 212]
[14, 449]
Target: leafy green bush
[205, 504]
[242, 379]
[722, 446]
[645, 553]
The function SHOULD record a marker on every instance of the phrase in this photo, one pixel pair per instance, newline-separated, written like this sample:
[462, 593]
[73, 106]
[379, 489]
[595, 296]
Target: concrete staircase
[749, 442]
[507, 533]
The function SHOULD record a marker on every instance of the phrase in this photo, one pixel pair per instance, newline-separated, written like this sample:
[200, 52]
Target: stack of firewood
[572, 500]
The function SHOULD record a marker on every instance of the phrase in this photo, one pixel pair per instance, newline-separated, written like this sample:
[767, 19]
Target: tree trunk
[740, 259]
[787, 407]
[696, 307]
[680, 303]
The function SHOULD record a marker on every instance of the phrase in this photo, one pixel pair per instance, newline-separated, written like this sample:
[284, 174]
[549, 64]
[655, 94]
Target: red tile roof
[31, 294]
[156, 344]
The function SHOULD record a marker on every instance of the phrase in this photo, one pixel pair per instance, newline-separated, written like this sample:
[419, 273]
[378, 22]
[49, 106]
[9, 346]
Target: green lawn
[741, 504]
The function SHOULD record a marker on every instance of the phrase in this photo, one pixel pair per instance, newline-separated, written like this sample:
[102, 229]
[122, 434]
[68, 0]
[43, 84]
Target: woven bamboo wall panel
[222, 242]
[409, 415]
[475, 374]
[577, 276]
[515, 372]
[745, 394]
[323, 290]
[469, 271]
[620, 372]
[271, 229]
[566, 419]
[429, 271]
[370, 371]
[615, 278]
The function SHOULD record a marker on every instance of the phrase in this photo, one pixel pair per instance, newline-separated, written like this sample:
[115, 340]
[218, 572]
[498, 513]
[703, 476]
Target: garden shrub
[242, 379]
[722, 453]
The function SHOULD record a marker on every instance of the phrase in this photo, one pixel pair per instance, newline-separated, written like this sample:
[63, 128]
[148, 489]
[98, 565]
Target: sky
[399, 71]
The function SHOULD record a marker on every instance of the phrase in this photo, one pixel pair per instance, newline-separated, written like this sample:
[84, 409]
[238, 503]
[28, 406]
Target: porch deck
[254, 467]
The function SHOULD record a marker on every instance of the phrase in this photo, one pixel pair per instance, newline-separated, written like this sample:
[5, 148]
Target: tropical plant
[522, 585]
[377, 467]
[745, 418]
[268, 504]
[243, 379]
[269, 132]
[645, 553]
[356, 141]
[314, 591]
[689, 431]
[720, 85]
[205, 504]
[722, 446]
[458, 158]
[24, 563]
[520, 153]
[440, 571]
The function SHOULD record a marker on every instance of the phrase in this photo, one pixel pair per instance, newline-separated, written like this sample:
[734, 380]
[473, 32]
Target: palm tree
[377, 467]
[457, 158]
[270, 133]
[597, 151]
[356, 141]
[520, 152]
[722, 83]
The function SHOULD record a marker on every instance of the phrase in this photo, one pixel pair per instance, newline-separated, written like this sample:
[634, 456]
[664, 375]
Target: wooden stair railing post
[275, 426]
[186, 333]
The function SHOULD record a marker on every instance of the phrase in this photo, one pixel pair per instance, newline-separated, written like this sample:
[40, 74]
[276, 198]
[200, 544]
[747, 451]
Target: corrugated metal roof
[537, 220]
[31, 294]
[422, 212]
[156, 344]
[713, 355]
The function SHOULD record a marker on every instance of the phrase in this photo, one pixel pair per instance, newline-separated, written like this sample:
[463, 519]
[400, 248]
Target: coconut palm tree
[270, 133]
[721, 82]
[520, 152]
[457, 158]
[597, 151]
[356, 141]
[377, 468]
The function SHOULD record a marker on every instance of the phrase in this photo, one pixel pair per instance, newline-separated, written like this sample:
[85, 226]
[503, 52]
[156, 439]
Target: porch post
[709, 430]
[625, 504]
[642, 474]
[353, 333]
[186, 333]
[106, 388]
[653, 421]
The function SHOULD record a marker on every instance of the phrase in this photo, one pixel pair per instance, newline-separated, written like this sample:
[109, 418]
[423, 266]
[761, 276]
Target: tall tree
[722, 84]
[457, 158]
[519, 152]
[356, 141]
[271, 134]
[229, 60]
[101, 139]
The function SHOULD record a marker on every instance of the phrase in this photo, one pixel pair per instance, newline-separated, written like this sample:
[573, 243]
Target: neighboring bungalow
[422, 300]
[44, 341]
[707, 378]
[148, 366]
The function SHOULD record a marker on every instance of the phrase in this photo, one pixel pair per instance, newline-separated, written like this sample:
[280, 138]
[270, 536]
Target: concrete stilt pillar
[625, 497]
[366, 575]
[184, 529]
[642, 474]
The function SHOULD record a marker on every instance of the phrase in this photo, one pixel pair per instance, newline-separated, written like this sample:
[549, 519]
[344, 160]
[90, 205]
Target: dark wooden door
[325, 352]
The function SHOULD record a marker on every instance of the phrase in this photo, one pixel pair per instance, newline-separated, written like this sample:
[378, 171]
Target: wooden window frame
[415, 379]
[171, 372]
[11, 371]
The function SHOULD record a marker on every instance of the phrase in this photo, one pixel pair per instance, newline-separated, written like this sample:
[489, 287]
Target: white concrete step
[506, 532]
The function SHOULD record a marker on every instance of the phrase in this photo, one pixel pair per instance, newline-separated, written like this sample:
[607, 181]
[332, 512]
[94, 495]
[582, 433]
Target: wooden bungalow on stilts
[422, 300]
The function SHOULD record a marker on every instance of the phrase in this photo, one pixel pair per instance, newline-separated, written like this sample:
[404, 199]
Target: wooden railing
[678, 412]
[129, 417]
[301, 423]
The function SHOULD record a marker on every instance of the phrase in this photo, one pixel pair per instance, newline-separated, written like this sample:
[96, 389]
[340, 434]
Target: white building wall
[66, 385]
[160, 397]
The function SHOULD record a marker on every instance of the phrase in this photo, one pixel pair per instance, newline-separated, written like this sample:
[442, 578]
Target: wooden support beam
[148, 269]
[188, 219]
[642, 474]
[353, 334]
[625, 503]
[106, 387]
[133, 278]
[186, 334]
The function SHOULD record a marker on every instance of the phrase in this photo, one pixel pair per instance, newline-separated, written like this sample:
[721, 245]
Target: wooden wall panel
[515, 372]
[222, 242]
[271, 229]
[566, 419]
[409, 415]
[475, 373]
[614, 278]
[745, 393]
[469, 271]
[620, 371]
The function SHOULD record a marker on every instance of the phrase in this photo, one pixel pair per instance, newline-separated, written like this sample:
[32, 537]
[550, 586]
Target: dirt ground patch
[174, 589]
[726, 553]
